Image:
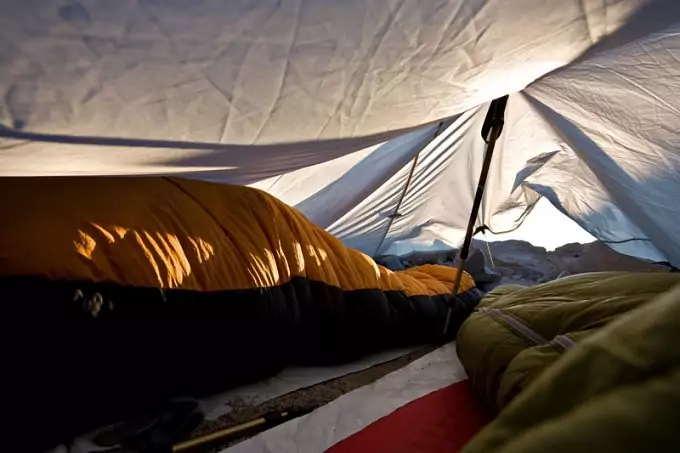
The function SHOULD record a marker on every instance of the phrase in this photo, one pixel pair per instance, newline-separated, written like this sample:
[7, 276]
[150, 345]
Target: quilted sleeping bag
[126, 291]
[588, 363]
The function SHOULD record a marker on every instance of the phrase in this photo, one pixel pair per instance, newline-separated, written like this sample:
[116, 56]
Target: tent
[363, 114]
[354, 110]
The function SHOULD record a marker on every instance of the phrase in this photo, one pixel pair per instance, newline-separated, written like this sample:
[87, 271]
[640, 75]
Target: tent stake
[491, 130]
[266, 421]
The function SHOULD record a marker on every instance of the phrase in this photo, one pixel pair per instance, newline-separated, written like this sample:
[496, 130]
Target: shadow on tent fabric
[344, 194]
[624, 191]
[235, 164]
[653, 16]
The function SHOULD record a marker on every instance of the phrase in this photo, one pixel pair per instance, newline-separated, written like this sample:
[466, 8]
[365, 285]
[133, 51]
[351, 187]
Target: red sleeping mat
[442, 421]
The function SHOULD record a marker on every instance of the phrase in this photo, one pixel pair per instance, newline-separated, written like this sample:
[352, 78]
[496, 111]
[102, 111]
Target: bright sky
[545, 227]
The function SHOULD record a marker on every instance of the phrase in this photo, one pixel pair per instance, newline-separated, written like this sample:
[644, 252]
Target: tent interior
[199, 195]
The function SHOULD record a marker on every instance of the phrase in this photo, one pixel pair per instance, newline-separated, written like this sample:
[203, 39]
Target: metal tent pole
[491, 130]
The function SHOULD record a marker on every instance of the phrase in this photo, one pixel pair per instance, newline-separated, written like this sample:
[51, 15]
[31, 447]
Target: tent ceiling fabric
[333, 107]
[265, 72]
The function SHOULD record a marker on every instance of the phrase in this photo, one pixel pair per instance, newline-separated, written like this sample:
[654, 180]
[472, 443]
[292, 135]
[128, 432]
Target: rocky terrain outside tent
[519, 262]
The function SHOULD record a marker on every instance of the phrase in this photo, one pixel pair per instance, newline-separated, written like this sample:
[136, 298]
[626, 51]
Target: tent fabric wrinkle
[615, 112]
[273, 72]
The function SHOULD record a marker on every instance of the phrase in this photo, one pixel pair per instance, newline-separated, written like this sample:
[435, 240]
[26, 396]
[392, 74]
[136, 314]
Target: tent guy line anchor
[491, 130]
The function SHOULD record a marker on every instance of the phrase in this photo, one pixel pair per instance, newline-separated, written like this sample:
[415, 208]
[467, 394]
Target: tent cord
[395, 214]
[488, 249]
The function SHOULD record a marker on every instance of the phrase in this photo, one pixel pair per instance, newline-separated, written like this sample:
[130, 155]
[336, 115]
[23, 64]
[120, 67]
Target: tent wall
[619, 116]
[326, 192]
[436, 200]
[437, 206]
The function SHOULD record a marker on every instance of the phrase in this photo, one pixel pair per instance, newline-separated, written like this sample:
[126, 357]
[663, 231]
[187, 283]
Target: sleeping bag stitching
[516, 325]
[564, 342]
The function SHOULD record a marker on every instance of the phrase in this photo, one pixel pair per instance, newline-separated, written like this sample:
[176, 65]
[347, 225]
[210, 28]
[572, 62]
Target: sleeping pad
[586, 363]
[127, 291]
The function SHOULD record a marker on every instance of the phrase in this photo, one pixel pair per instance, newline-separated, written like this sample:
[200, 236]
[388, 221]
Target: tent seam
[440, 128]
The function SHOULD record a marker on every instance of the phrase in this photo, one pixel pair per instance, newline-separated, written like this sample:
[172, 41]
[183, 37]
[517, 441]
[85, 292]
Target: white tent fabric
[619, 113]
[275, 71]
[449, 165]
[334, 107]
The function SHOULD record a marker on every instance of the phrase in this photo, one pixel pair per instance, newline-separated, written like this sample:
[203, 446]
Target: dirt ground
[314, 396]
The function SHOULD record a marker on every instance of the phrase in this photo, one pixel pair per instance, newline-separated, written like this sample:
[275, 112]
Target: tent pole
[491, 130]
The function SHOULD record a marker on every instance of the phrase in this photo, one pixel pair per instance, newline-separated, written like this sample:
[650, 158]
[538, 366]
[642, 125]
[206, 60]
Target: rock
[391, 262]
[521, 262]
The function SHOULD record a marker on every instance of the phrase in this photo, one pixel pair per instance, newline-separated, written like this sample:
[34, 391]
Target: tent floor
[313, 396]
